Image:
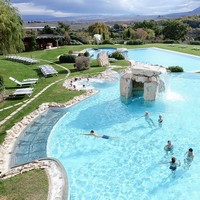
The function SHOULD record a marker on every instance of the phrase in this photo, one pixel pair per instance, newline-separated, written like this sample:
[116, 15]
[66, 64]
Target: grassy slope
[32, 185]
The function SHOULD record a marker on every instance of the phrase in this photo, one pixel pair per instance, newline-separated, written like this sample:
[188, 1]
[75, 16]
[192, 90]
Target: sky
[67, 8]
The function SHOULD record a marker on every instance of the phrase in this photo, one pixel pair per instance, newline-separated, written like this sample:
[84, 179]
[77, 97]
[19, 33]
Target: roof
[49, 36]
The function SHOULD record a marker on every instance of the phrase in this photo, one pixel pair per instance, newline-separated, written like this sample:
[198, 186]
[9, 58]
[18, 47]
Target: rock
[142, 77]
[102, 59]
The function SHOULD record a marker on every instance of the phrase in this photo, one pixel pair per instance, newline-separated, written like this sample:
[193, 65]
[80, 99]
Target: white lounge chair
[47, 70]
[22, 92]
[24, 82]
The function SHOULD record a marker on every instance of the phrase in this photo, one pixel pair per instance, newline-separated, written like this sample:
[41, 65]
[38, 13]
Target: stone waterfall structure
[142, 78]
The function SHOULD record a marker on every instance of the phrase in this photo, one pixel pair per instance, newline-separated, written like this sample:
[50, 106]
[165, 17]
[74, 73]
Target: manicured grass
[32, 185]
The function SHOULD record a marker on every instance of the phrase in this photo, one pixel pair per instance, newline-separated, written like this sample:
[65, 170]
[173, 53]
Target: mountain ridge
[94, 18]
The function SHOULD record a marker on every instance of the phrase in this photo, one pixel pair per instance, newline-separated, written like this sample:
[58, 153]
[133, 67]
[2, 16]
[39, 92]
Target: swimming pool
[165, 58]
[128, 167]
[157, 56]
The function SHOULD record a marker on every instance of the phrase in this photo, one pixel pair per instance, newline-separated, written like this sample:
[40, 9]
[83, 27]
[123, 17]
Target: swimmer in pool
[190, 156]
[169, 147]
[173, 164]
[92, 133]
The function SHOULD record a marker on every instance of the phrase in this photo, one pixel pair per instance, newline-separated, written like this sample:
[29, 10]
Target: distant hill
[105, 18]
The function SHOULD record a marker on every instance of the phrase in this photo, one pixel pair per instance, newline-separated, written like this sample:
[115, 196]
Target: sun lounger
[23, 83]
[47, 70]
[22, 92]
[30, 79]
[22, 59]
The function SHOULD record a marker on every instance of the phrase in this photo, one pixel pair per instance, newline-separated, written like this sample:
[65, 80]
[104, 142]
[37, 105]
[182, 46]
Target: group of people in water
[174, 163]
[150, 121]
[168, 147]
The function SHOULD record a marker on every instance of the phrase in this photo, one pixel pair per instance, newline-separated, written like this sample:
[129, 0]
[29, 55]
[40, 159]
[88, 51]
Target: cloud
[63, 8]
[32, 9]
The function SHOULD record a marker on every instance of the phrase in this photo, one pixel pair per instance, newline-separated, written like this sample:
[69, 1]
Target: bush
[195, 42]
[168, 41]
[117, 55]
[68, 58]
[175, 69]
[135, 42]
[86, 54]
[82, 63]
[107, 42]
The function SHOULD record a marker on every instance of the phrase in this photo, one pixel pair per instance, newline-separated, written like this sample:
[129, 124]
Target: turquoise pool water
[158, 56]
[127, 167]
[165, 58]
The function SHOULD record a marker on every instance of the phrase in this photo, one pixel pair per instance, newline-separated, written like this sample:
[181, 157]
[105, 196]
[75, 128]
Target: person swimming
[190, 156]
[92, 133]
[169, 147]
[160, 121]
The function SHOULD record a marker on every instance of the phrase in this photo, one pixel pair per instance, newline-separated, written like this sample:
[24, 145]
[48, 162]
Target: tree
[99, 28]
[175, 30]
[141, 34]
[48, 30]
[11, 29]
[32, 44]
[129, 33]
[63, 30]
[151, 34]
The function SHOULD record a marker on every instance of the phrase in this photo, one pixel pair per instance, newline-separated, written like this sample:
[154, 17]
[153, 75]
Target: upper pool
[165, 58]
[158, 56]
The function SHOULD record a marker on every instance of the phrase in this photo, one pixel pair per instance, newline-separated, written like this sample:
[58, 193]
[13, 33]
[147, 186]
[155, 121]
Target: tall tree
[11, 29]
[99, 28]
[175, 30]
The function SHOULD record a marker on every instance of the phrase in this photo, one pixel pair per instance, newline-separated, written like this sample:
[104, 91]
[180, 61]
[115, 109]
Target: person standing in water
[160, 121]
[169, 147]
[147, 119]
[173, 164]
[190, 156]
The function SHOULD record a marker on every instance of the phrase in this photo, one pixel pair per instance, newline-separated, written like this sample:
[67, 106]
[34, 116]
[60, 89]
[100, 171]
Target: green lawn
[32, 185]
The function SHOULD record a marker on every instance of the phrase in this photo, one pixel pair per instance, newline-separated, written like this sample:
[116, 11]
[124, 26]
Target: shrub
[117, 55]
[168, 41]
[68, 58]
[82, 63]
[135, 42]
[195, 42]
[107, 42]
[86, 54]
[175, 69]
